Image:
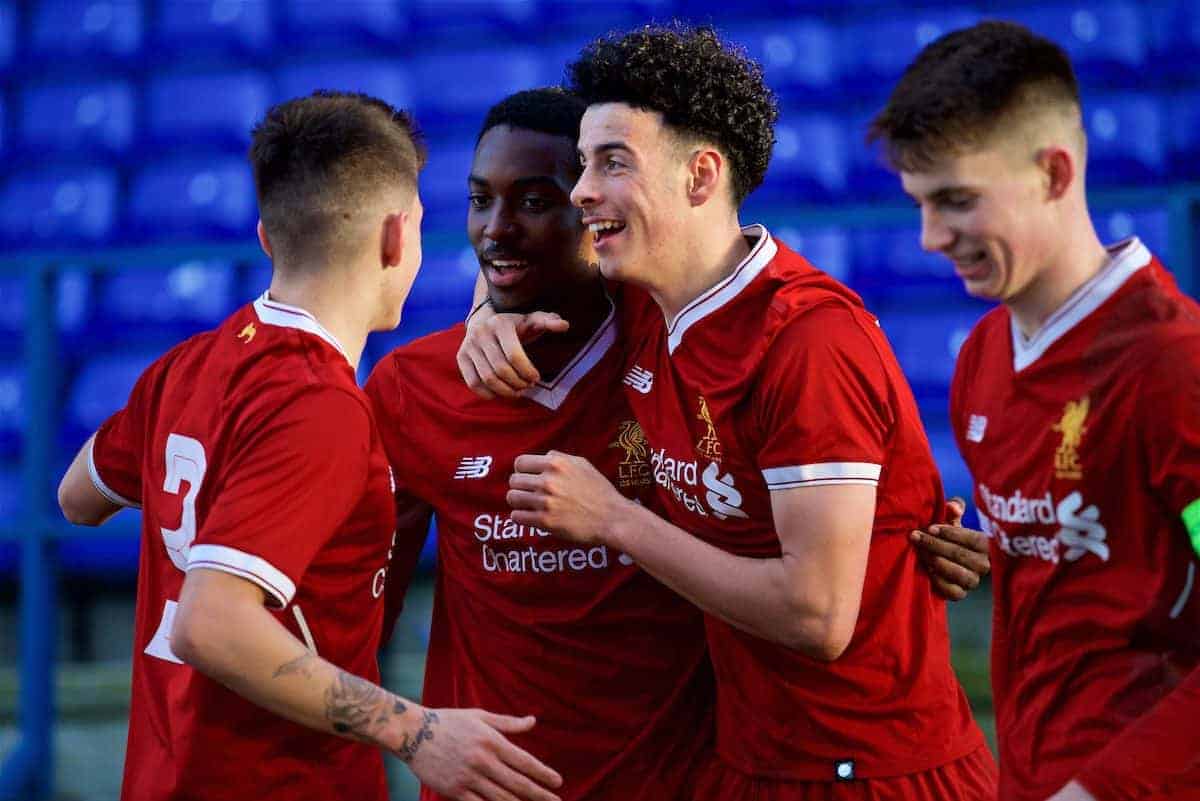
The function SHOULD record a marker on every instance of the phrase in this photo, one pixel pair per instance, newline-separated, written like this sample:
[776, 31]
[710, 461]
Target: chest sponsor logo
[634, 469]
[1072, 428]
[248, 333]
[1079, 531]
[709, 446]
[473, 467]
[510, 547]
[683, 480]
[976, 427]
[640, 379]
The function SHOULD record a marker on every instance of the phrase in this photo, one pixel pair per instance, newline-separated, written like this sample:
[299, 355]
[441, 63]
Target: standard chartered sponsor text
[498, 535]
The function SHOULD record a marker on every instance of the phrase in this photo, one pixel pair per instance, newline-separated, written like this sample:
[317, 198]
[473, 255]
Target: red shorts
[971, 778]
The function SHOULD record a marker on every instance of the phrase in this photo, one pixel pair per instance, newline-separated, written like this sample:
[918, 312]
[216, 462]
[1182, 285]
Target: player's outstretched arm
[807, 599]
[956, 558]
[223, 630]
[80, 501]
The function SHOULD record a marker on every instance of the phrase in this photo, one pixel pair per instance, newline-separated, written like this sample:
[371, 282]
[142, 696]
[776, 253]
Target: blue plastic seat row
[1113, 35]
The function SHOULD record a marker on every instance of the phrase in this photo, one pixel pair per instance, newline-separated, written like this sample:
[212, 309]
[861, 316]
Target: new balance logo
[473, 467]
[640, 379]
[975, 428]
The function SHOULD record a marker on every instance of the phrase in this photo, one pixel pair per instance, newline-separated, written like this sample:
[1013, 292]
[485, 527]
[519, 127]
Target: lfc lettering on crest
[709, 446]
[634, 469]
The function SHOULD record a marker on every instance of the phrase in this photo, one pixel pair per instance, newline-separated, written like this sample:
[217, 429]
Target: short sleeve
[823, 403]
[117, 451]
[291, 483]
[1170, 418]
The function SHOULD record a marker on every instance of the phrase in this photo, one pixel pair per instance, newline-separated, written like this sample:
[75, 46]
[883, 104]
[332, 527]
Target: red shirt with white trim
[251, 450]
[1084, 443]
[611, 662]
[774, 379]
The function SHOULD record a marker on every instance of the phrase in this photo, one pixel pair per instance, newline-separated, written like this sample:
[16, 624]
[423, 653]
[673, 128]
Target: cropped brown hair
[962, 86]
[319, 159]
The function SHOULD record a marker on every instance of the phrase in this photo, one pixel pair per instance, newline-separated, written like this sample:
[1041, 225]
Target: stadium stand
[124, 123]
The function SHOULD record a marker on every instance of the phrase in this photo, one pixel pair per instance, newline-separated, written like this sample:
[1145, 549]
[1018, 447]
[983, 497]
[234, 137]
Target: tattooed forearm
[301, 664]
[409, 747]
[359, 709]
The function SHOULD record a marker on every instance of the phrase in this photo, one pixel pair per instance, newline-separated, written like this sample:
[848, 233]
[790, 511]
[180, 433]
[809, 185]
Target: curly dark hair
[963, 85]
[549, 110]
[703, 87]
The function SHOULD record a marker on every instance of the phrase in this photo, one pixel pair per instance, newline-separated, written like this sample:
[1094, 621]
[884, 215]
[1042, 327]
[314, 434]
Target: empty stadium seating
[126, 122]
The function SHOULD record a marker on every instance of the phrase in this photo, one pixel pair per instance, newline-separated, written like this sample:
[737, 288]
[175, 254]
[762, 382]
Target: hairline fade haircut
[320, 161]
[705, 89]
[968, 86]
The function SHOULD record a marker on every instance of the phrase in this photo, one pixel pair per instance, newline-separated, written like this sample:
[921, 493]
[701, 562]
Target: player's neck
[1079, 259]
[585, 308]
[331, 303]
[707, 258]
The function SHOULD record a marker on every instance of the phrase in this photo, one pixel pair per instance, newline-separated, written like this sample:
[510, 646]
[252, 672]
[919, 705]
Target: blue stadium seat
[1175, 37]
[345, 22]
[877, 49]
[809, 162]
[1149, 225]
[1184, 144]
[79, 29]
[193, 293]
[826, 248]
[243, 25]
[215, 109]
[926, 340]
[13, 384]
[444, 179]
[1105, 40]
[102, 386]
[12, 493]
[491, 16]
[73, 302]
[194, 196]
[956, 478]
[888, 262]
[868, 176]
[1126, 138]
[109, 556]
[800, 54]
[58, 206]
[385, 79]
[465, 84]
[3, 128]
[78, 117]
[445, 281]
[8, 32]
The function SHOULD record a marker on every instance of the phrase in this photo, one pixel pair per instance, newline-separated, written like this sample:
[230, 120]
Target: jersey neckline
[554, 392]
[272, 312]
[1125, 258]
[761, 253]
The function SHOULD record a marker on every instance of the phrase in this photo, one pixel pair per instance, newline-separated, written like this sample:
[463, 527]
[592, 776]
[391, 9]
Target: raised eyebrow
[605, 148]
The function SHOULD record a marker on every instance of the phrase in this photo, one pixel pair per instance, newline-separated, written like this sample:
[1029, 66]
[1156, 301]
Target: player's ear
[392, 241]
[704, 175]
[263, 242]
[1058, 168]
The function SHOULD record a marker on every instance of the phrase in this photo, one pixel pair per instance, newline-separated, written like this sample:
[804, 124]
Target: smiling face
[987, 212]
[531, 246]
[632, 191]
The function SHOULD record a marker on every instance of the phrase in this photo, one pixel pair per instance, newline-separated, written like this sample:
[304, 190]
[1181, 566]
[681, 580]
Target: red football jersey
[1084, 443]
[611, 662]
[778, 378]
[251, 450]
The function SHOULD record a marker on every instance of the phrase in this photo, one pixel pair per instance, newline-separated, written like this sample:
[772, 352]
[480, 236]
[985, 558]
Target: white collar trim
[272, 312]
[761, 253]
[1125, 258]
[553, 393]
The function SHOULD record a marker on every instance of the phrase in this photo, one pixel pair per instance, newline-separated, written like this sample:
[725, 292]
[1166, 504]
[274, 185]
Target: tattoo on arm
[408, 748]
[358, 708]
[301, 664]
